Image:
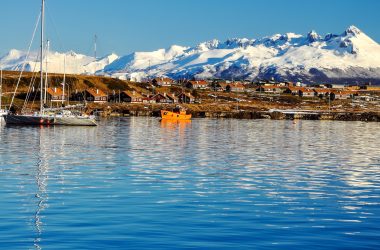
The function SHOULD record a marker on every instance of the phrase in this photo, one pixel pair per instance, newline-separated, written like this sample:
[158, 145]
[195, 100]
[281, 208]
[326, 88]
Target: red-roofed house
[305, 92]
[343, 94]
[294, 90]
[95, 95]
[163, 81]
[131, 96]
[235, 87]
[201, 84]
[172, 97]
[55, 94]
[162, 98]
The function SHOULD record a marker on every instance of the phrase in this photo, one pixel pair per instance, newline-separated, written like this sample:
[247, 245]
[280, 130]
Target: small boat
[175, 115]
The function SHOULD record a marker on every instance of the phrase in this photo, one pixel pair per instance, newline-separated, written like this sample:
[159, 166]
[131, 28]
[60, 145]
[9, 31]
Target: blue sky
[124, 26]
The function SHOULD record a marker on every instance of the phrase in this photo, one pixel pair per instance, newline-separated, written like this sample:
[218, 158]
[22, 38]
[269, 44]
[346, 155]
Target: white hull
[3, 112]
[49, 120]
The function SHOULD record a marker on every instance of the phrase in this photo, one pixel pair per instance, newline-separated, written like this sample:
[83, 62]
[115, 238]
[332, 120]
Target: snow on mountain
[339, 58]
[349, 56]
[56, 62]
[141, 64]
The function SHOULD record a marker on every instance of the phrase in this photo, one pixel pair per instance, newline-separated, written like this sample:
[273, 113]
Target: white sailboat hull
[49, 120]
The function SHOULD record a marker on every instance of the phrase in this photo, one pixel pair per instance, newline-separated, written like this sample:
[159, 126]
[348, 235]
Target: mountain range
[349, 57]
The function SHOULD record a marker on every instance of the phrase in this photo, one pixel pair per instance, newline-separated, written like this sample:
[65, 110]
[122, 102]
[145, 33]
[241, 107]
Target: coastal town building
[343, 94]
[55, 94]
[305, 92]
[221, 86]
[131, 96]
[235, 87]
[162, 98]
[186, 98]
[95, 95]
[163, 81]
[201, 84]
[322, 92]
[293, 90]
[172, 97]
[270, 89]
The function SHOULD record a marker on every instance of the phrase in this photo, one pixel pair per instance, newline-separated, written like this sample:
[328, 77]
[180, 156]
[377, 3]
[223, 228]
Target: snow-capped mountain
[57, 62]
[344, 58]
[350, 56]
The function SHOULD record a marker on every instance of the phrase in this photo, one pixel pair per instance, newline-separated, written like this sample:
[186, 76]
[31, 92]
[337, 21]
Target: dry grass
[224, 102]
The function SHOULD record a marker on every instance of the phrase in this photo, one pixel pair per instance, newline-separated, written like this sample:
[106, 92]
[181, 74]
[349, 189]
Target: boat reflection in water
[41, 176]
[173, 124]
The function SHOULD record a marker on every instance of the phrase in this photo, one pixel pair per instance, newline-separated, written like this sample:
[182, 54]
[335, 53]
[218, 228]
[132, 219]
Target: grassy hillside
[74, 82]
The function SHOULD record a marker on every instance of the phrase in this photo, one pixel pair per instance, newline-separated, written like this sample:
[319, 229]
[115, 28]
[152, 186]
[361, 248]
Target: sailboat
[49, 116]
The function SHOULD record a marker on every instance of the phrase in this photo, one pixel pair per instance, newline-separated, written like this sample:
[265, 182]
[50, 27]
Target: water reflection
[42, 183]
[141, 183]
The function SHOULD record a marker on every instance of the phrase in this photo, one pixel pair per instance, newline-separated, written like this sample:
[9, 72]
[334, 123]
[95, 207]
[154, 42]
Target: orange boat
[175, 115]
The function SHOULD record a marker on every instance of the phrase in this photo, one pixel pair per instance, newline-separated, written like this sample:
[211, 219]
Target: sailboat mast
[41, 58]
[64, 79]
[46, 71]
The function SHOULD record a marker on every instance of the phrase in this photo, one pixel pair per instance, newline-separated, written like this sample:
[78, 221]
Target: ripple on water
[218, 184]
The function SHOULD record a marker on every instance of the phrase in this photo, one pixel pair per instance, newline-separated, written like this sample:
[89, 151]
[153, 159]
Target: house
[131, 96]
[235, 87]
[172, 97]
[162, 98]
[322, 92]
[55, 94]
[163, 81]
[95, 95]
[148, 99]
[202, 84]
[305, 92]
[371, 88]
[343, 94]
[186, 98]
[292, 90]
[286, 84]
[352, 87]
[270, 89]
[221, 86]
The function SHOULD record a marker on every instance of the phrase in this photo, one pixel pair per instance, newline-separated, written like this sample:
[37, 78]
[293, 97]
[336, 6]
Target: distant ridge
[349, 57]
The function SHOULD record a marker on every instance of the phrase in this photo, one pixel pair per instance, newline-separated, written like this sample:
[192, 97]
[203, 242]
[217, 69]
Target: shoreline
[274, 114]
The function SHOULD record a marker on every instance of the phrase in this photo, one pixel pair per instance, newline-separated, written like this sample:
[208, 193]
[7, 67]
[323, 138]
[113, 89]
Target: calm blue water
[210, 184]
